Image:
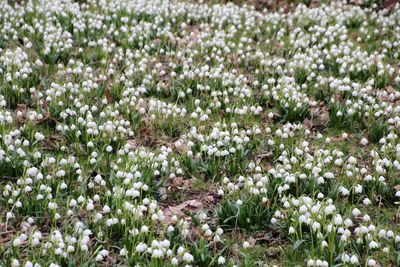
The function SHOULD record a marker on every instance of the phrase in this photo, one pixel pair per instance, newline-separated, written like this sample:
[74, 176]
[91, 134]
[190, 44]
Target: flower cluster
[196, 133]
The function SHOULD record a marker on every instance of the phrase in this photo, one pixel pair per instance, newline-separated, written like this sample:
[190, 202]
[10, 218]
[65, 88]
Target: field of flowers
[191, 133]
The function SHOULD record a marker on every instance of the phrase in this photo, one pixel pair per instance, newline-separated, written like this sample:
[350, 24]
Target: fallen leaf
[195, 233]
[167, 216]
[132, 143]
[108, 96]
[45, 104]
[324, 118]
[183, 148]
[22, 109]
[321, 113]
[379, 200]
[237, 234]
[177, 182]
[3, 241]
[46, 117]
[209, 199]
[145, 132]
[264, 155]
[187, 184]
[252, 241]
[177, 210]
[194, 203]
[308, 124]
[261, 156]
[389, 5]
[337, 138]
[267, 204]
[141, 104]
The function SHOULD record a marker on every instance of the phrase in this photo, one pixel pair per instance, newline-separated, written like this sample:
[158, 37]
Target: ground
[199, 133]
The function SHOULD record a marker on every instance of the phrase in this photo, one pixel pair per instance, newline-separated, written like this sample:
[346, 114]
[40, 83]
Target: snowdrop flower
[366, 201]
[373, 245]
[371, 262]
[174, 261]
[221, 260]
[354, 259]
[187, 257]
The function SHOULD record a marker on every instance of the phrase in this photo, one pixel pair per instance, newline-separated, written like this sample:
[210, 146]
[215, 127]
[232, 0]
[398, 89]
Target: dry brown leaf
[194, 203]
[141, 104]
[261, 156]
[390, 89]
[167, 216]
[22, 109]
[267, 204]
[209, 199]
[308, 124]
[187, 184]
[132, 143]
[177, 210]
[389, 5]
[45, 104]
[337, 138]
[145, 132]
[264, 155]
[3, 241]
[324, 118]
[111, 261]
[46, 117]
[108, 96]
[252, 241]
[183, 148]
[379, 200]
[321, 113]
[177, 182]
[195, 233]
[238, 235]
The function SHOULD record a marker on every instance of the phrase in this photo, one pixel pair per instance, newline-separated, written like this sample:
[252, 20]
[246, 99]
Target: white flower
[221, 260]
[174, 261]
[366, 201]
[15, 263]
[373, 245]
[345, 257]
[187, 257]
[157, 253]
[246, 244]
[354, 259]
[364, 141]
[316, 226]
[17, 242]
[371, 262]
[52, 205]
[356, 212]
[99, 257]
[141, 247]
[123, 252]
